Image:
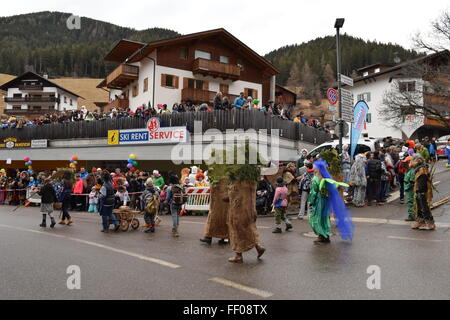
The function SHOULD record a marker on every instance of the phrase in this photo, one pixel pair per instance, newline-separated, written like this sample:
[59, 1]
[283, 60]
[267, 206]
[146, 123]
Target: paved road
[135, 265]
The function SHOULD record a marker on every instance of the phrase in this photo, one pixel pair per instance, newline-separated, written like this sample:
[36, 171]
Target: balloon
[30, 171]
[130, 160]
[75, 162]
[132, 156]
[129, 166]
[26, 159]
[75, 158]
[135, 163]
[30, 167]
[133, 169]
[30, 162]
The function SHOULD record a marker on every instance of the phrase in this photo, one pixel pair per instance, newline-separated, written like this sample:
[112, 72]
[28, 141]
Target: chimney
[45, 76]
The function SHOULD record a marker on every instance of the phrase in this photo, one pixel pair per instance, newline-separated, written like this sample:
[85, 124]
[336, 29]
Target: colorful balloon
[75, 158]
[132, 156]
[26, 159]
[135, 163]
[129, 166]
[130, 160]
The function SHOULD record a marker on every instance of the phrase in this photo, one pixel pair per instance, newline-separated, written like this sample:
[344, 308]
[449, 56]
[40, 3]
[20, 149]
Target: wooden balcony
[30, 87]
[122, 76]
[31, 99]
[203, 96]
[216, 69]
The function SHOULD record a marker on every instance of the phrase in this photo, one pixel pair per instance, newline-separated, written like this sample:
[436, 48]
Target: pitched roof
[144, 51]
[404, 64]
[15, 82]
[122, 50]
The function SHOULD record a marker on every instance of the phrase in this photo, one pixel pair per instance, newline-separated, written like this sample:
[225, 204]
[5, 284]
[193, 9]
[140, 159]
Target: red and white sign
[168, 135]
[201, 190]
[153, 124]
[332, 95]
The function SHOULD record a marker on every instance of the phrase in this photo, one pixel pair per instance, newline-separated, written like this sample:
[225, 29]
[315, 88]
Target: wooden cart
[126, 218]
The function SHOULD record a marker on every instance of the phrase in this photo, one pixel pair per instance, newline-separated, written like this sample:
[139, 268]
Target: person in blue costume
[324, 198]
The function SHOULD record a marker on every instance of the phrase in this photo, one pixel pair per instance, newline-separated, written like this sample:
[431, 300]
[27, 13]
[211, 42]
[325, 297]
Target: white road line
[254, 291]
[414, 239]
[99, 245]
[394, 222]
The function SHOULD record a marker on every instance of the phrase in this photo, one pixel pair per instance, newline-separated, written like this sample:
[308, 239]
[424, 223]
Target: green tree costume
[410, 177]
[319, 218]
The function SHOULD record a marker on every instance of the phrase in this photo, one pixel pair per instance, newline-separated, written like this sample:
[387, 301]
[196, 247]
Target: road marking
[414, 239]
[393, 222]
[99, 245]
[254, 291]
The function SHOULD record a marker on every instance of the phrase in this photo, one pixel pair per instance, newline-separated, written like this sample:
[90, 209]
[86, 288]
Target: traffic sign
[346, 80]
[347, 105]
[332, 95]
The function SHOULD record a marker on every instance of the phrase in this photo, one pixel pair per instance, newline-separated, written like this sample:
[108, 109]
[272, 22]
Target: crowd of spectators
[220, 103]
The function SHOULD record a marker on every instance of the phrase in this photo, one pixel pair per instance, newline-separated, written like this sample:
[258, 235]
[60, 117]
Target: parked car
[441, 151]
[364, 145]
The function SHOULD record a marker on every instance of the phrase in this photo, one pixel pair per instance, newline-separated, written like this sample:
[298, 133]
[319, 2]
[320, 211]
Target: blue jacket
[239, 102]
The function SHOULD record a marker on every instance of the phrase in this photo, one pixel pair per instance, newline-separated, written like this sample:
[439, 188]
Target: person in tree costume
[217, 221]
[409, 179]
[324, 198]
[423, 191]
[291, 182]
[243, 179]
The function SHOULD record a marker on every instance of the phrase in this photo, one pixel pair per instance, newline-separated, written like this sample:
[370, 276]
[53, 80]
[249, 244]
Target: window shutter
[163, 80]
[175, 82]
[245, 93]
[255, 94]
[205, 85]
[185, 83]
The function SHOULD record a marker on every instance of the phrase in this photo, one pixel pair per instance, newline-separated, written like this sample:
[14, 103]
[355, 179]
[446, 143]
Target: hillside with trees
[312, 65]
[41, 42]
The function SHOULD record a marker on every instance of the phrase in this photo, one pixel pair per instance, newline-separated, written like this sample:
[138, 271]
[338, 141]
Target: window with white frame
[202, 54]
[407, 86]
[364, 97]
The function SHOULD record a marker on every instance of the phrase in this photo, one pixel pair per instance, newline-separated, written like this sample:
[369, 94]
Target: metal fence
[220, 119]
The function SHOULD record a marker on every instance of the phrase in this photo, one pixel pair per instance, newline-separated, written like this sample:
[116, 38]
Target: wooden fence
[221, 120]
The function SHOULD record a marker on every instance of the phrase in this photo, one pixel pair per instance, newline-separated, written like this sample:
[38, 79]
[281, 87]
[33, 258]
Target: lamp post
[338, 25]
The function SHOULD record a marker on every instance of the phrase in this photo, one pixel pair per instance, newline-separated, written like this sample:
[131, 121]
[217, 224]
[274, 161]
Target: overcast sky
[263, 25]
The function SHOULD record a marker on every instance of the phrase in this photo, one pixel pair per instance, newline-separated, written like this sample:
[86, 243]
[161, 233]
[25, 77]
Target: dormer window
[366, 73]
[377, 70]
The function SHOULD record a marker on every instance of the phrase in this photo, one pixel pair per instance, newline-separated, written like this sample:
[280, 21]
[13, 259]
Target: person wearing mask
[107, 199]
[304, 189]
[175, 198]
[48, 197]
[150, 205]
[346, 164]
[409, 188]
[358, 181]
[424, 153]
[423, 190]
[280, 204]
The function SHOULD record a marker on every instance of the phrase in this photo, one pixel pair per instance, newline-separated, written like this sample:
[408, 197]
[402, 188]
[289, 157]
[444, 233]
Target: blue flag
[360, 114]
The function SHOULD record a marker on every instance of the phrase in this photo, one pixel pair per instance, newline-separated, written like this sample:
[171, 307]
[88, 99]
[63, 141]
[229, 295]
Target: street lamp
[338, 25]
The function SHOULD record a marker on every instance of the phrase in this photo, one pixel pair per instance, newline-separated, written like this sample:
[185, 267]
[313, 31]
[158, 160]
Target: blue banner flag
[360, 115]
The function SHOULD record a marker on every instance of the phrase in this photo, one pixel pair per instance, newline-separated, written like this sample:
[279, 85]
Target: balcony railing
[31, 87]
[122, 76]
[31, 99]
[203, 96]
[216, 69]
[219, 119]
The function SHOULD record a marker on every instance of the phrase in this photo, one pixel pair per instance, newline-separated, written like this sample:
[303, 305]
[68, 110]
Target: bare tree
[438, 38]
[421, 87]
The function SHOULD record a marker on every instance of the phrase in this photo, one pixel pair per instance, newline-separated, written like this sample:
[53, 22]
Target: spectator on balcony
[226, 104]
[218, 102]
[240, 101]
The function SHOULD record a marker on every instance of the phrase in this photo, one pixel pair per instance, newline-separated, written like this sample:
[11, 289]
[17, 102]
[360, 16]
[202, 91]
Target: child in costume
[324, 197]
[409, 179]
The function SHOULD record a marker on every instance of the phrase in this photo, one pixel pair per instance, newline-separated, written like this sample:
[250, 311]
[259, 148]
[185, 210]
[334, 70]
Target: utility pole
[338, 25]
